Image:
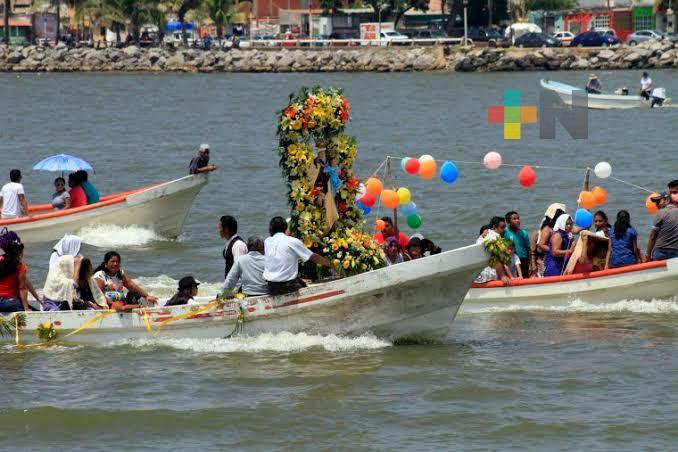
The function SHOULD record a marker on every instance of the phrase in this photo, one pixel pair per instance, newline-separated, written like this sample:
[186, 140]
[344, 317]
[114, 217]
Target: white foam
[111, 236]
[278, 342]
[637, 306]
[164, 286]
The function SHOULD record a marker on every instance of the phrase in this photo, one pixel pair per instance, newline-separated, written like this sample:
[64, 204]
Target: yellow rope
[91, 322]
[16, 329]
[147, 322]
[185, 315]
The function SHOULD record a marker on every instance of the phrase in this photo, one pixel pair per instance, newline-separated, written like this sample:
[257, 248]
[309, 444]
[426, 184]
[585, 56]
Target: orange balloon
[374, 186]
[650, 205]
[389, 199]
[600, 194]
[587, 200]
[379, 225]
[427, 169]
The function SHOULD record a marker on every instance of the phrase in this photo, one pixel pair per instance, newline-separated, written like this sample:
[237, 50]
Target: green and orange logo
[512, 114]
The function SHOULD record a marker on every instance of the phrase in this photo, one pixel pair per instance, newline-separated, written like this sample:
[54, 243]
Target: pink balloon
[492, 160]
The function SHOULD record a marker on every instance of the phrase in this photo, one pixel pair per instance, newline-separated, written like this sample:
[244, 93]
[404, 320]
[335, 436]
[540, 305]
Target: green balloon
[414, 221]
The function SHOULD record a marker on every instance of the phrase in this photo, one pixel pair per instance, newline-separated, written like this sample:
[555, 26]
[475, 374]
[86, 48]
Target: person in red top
[78, 196]
[13, 280]
[389, 231]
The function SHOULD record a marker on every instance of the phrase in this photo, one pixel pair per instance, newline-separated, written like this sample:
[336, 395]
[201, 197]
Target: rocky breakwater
[62, 59]
[650, 54]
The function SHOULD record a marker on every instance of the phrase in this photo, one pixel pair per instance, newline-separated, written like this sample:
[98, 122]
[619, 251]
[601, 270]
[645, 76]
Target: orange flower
[290, 112]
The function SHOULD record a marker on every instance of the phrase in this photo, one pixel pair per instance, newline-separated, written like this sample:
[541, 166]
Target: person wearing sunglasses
[60, 199]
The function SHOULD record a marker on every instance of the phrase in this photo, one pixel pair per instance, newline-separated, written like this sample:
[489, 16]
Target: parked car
[264, 41]
[536, 40]
[149, 39]
[643, 35]
[479, 34]
[346, 35]
[393, 38]
[594, 39]
[565, 37]
[425, 34]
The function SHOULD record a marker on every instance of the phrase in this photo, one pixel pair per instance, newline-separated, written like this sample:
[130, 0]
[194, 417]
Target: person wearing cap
[646, 86]
[663, 241]
[593, 86]
[200, 163]
[188, 288]
[248, 271]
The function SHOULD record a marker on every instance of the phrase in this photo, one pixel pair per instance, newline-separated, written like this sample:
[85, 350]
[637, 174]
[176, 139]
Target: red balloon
[368, 200]
[527, 177]
[412, 166]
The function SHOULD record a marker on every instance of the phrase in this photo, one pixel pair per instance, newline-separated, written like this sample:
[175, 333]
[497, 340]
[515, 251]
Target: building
[20, 25]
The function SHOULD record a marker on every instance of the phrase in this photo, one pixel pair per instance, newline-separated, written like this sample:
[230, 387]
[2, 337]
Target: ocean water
[578, 376]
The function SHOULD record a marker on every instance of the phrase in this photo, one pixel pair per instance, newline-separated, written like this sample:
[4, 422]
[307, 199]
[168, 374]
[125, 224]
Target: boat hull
[597, 101]
[162, 208]
[416, 301]
[653, 281]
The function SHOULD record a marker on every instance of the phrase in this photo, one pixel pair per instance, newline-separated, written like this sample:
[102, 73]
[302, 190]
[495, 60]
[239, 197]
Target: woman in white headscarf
[559, 246]
[69, 245]
[59, 290]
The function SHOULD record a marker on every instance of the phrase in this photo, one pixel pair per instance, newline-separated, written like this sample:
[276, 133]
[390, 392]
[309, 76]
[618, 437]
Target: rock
[14, 57]
[424, 62]
[606, 54]
[131, 51]
[580, 63]
[632, 57]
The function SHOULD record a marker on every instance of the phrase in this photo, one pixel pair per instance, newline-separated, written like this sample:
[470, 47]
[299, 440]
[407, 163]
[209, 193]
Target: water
[577, 377]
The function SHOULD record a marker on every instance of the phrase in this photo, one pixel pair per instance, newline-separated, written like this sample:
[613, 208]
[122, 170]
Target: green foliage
[8, 323]
[550, 5]
[499, 251]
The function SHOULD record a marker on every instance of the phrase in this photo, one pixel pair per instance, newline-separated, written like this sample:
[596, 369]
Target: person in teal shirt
[520, 239]
[90, 190]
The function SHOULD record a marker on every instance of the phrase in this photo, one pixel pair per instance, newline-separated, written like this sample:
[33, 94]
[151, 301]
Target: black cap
[659, 197]
[188, 281]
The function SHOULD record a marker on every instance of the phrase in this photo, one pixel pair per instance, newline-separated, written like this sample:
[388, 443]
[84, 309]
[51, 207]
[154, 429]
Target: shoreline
[649, 55]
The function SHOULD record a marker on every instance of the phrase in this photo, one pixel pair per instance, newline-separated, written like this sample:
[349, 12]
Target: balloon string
[515, 165]
[632, 185]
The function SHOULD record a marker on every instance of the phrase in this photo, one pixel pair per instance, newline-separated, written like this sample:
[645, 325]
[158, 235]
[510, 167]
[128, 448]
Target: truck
[369, 31]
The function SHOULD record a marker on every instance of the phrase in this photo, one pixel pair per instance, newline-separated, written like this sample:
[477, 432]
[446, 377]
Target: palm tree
[6, 23]
[133, 13]
[183, 7]
[218, 11]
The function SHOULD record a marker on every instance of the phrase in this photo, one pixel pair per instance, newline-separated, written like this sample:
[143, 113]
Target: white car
[565, 37]
[393, 38]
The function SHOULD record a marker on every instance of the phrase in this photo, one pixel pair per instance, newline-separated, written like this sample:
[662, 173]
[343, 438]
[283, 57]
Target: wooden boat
[162, 207]
[650, 281]
[416, 300]
[597, 101]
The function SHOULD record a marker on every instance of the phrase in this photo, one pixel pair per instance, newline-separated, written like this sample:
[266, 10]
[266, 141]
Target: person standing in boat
[593, 86]
[389, 231]
[90, 190]
[77, 194]
[248, 272]
[559, 246]
[235, 246]
[200, 163]
[521, 241]
[12, 198]
[663, 241]
[645, 86]
[624, 239]
[540, 239]
[282, 256]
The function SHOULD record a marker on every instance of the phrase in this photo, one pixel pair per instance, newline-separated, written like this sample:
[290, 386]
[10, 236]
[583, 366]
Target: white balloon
[603, 170]
[425, 157]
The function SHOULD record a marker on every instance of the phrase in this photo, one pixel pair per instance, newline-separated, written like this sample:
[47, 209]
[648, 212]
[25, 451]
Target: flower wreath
[316, 159]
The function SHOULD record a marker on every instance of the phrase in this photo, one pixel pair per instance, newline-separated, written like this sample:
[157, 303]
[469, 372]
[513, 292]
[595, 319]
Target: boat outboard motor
[657, 97]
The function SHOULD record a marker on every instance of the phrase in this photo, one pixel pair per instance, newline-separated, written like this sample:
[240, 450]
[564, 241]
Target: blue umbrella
[175, 25]
[63, 163]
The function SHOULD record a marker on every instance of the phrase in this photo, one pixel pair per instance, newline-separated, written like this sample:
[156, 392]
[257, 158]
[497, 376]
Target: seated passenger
[248, 271]
[389, 231]
[188, 288]
[392, 252]
[414, 249]
[585, 252]
[87, 294]
[593, 86]
[429, 247]
[77, 194]
[13, 279]
[515, 268]
[122, 293]
[90, 190]
[59, 290]
[69, 245]
[60, 198]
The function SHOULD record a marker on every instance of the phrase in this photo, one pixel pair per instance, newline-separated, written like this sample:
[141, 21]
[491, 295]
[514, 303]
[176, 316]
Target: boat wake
[278, 342]
[637, 306]
[111, 236]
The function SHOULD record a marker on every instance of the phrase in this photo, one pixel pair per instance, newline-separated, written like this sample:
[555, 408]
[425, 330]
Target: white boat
[162, 207]
[650, 281]
[597, 101]
[416, 300]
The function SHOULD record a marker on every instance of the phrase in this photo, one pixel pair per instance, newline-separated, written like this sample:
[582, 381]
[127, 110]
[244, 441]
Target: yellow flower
[346, 265]
[308, 242]
[311, 124]
[296, 125]
[335, 247]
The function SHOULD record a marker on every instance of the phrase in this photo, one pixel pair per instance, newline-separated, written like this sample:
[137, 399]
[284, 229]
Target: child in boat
[392, 251]
[514, 268]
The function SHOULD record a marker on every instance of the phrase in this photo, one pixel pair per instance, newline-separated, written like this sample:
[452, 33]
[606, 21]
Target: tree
[219, 12]
[132, 13]
[182, 8]
[6, 22]
[385, 8]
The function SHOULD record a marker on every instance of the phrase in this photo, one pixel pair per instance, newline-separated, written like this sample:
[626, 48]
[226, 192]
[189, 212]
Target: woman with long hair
[540, 239]
[601, 224]
[624, 238]
[559, 247]
[13, 279]
[121, 292]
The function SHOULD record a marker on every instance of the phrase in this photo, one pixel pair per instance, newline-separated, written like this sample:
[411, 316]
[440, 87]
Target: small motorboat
[649, 281]
[162, 207]
[416, 300]
[605, 101]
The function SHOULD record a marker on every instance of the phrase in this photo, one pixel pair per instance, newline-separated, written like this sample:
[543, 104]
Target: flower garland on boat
[316, 159]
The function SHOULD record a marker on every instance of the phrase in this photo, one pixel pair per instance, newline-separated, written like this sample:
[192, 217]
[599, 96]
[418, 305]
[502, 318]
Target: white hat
[204, 147]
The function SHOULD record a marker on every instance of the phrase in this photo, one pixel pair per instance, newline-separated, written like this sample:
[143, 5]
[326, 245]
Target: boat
[162, 207]
[412, 301]
[597, 101]
[654, 280]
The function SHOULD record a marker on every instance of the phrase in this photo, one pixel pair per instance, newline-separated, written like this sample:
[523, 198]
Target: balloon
[368, 200]
[492, 160]
[403, 162]
[603, 170]
[527, 177]
[414, 221]
[366, 210]
[583, 218]
[374, 186]
[361, 191]
[449, 172]
[389, 199]
[379, 225]
[600, 194]
[587, 200]
[427, 169]
[412, 166]
[409, 209]
[650, 205]
[404, 195]
[425, 157]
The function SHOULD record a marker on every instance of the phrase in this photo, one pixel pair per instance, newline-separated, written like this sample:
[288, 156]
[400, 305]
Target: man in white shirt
[646, 86]
[235, 246]
[282, 256]
[12, 199]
